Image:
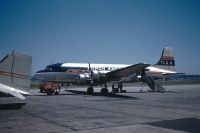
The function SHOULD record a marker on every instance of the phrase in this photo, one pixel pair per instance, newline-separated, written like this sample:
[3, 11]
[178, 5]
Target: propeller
[91, 74]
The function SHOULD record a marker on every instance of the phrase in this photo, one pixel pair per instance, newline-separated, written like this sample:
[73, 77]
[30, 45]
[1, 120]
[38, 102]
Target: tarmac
[175, 111]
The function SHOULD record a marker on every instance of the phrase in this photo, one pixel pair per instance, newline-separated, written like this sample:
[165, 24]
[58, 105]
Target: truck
[50, 88]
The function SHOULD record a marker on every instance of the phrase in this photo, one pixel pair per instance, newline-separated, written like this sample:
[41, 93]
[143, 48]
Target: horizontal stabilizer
[13, 91]
[17, 94]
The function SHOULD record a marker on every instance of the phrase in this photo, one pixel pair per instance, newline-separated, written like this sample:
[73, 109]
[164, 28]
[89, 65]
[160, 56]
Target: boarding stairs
[155, 86]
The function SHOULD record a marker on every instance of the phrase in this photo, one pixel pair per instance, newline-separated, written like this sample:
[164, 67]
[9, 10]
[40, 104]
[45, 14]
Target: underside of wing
[124, 72]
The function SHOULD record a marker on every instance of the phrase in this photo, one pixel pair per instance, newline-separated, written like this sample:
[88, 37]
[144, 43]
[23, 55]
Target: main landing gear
[104, 91]
[119, 88]
[90, 90]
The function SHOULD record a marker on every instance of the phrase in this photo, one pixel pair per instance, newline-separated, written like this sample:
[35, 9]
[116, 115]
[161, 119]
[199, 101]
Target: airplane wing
[125, 72]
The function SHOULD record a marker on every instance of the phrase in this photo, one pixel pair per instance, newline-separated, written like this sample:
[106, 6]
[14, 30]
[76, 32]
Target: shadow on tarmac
[45, 95]
[11, 106]
[190, 125]
[99, 94]
[150, 91]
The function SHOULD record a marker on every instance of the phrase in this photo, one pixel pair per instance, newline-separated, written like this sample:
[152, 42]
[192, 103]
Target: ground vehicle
[50, 88]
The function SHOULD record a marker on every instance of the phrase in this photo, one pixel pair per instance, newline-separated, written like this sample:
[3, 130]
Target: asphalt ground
[175, 111]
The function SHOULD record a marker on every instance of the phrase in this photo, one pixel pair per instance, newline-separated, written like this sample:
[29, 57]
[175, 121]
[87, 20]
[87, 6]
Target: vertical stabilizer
[167, 60]
[15, 73]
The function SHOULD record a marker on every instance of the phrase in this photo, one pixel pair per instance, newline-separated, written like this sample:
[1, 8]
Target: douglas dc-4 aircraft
[103, 73]
[15, 74]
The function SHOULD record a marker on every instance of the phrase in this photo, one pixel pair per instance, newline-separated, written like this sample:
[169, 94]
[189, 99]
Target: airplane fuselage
[76, 72]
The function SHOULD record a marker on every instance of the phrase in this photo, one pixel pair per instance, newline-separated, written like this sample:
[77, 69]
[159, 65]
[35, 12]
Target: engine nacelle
[98, 75]
[83, 78]
[95, 74]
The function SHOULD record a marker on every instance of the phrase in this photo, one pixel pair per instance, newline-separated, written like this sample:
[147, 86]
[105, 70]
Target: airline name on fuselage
[99, 67]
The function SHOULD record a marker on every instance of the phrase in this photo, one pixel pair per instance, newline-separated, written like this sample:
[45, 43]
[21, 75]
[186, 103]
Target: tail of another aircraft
[167, 60]
[15, 74]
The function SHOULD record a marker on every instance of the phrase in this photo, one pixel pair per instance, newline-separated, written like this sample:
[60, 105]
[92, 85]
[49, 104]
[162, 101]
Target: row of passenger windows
[105, 68]
[63, 69]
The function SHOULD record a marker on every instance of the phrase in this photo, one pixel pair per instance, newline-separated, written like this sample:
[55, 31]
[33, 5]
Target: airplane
[15, 75]
[103, 73]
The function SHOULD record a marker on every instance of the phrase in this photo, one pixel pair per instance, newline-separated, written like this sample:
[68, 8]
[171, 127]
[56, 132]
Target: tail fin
[167, 60]
[15, 73]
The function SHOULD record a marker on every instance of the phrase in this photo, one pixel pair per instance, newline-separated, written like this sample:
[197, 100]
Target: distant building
[185, 77]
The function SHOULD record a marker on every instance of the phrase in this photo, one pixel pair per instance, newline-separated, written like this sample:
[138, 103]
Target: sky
[101, 31]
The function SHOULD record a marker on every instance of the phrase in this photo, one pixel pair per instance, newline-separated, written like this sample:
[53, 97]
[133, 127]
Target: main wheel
[104, 91]
[90, 90]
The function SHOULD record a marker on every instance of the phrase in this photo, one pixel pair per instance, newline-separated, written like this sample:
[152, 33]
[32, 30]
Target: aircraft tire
[104, 91]
[90, 90]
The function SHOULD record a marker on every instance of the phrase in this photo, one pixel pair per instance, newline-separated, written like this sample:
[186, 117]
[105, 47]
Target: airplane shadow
[152, 92]
[45, 95]
[11, 106]
[190, 125]
[99, 94]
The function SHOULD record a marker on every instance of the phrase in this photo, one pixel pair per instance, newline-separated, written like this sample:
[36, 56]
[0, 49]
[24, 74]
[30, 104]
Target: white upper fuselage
[104, 68]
